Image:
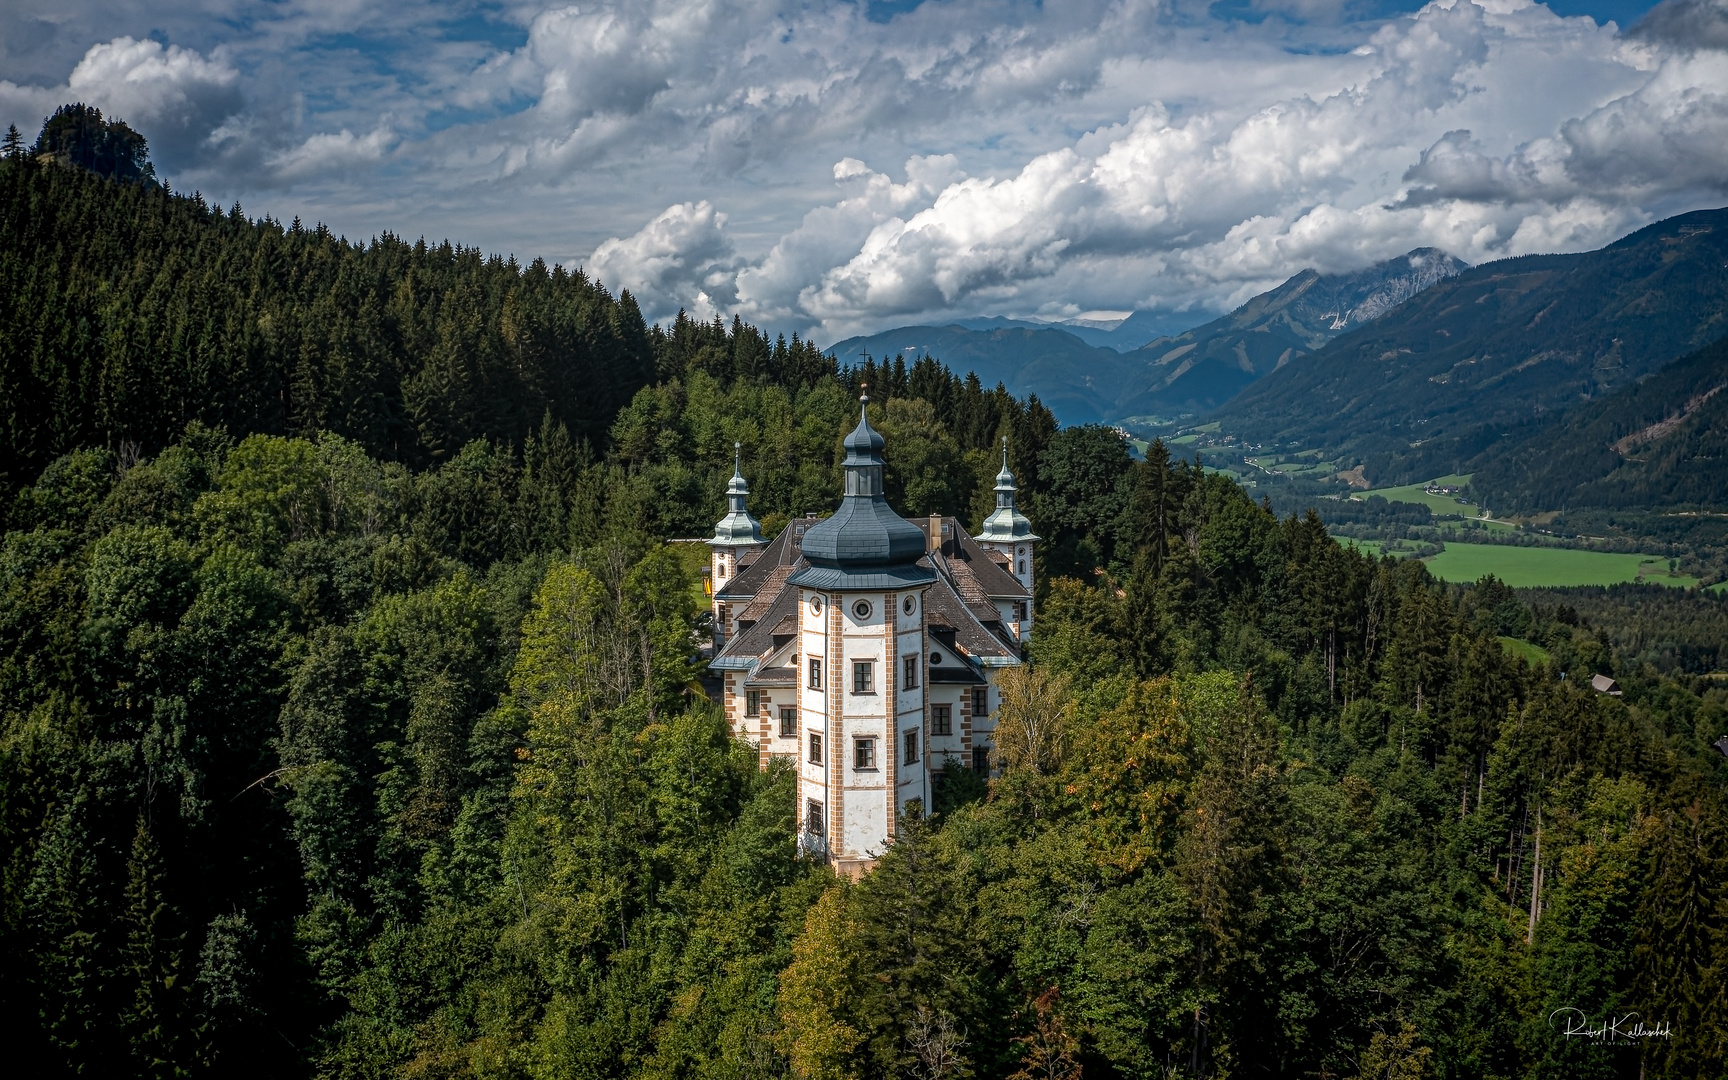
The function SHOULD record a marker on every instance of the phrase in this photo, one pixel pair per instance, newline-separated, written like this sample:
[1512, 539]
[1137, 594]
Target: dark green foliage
[328, 752]
[1660, 442]
[1085, 476]
[130, 312]
[1673, 630]
[77, 135]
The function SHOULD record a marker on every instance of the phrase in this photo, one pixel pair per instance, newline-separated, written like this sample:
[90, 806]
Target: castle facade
[866, 647]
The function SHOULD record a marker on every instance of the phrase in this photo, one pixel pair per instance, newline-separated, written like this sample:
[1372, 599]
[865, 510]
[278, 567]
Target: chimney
[935, 532]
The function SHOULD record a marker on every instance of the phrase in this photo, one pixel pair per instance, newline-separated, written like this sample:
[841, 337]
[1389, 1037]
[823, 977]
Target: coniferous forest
[350, 723]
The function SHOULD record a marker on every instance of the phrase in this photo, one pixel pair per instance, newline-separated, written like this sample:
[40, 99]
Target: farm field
[1439, 504]
[1535, 567]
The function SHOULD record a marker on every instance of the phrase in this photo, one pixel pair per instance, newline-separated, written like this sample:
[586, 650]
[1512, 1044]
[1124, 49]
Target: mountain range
[1197, 371]
[1476, 359]
[1082, 378]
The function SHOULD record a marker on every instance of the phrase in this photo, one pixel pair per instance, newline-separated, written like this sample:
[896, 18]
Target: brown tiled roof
[992, 577]
[748, 581]
[954, 668]
[960, 607]
[945, 611]
[758, 638]
[772, 586]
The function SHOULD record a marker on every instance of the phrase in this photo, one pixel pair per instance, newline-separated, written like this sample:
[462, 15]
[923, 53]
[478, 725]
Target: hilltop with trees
[347, 724]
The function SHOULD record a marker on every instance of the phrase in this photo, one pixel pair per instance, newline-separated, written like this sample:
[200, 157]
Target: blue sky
[830, 166]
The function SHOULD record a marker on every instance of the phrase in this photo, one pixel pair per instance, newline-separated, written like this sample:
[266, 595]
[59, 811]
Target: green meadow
[1439, 504]
[1535, 567]
[1539, 567]
[1532, 653]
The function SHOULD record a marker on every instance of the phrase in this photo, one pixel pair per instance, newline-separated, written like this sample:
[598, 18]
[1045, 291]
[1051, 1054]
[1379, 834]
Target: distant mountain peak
[1200, 369]
[1468, 359]
[1383, 286]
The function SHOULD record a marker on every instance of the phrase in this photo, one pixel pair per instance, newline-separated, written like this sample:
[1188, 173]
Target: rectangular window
[815, 748]
[863, 677]
[752, 702]
[980, 701]
[813, 817]
[864, 754]
[981, 760]
[788, 722]
[815, 673]
[941, 719]
[910, 756]
[909, 678]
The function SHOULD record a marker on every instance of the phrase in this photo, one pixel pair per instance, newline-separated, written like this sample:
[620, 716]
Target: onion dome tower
[1007, 531]
[862, 665]
[737, 539]
[865, 544]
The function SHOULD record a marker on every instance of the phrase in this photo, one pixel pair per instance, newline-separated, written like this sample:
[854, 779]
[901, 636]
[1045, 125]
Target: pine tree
[1682, 946]
[13, 145]
[152, 965]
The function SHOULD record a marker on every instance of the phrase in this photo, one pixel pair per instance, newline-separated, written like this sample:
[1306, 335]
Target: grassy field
[1439, 504]
[1534, 654]
[1522, 567]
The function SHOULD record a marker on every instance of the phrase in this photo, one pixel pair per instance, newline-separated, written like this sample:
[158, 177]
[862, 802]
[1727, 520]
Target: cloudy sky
[836, 166]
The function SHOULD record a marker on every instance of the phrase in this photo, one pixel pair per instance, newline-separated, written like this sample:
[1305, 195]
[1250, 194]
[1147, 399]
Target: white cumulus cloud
[679, 259]
[814, 169]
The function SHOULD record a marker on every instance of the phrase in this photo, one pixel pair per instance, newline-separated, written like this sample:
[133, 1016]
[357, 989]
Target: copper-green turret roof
[1007, 525]
[737, 528]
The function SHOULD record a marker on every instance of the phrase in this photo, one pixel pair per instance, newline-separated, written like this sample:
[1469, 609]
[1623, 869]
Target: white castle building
[866, 647]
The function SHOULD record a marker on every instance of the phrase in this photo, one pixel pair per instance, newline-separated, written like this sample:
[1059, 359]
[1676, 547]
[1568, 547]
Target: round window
[815, 605]
[910, 607]
[935, 658]
[862, 609]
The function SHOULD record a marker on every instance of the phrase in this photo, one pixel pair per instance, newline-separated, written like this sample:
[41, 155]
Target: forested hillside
[126, 312]
[323, 754]
[1662, 442]
[1421, 390]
